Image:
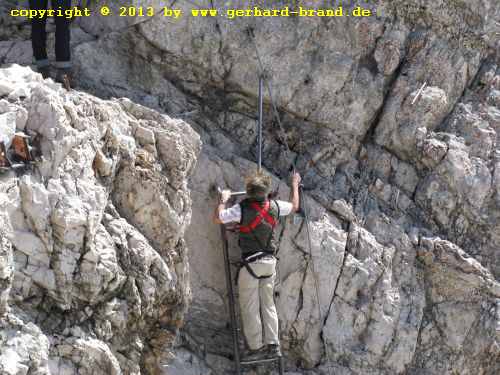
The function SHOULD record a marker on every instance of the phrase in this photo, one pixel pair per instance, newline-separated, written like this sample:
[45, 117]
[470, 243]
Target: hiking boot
[273, 350]
[64, 77]
[254, 355]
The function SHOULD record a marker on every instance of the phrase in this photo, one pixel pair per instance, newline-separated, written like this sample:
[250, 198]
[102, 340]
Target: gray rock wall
[404, 193]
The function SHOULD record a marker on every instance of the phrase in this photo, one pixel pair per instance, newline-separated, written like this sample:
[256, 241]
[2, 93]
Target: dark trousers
[39, 34]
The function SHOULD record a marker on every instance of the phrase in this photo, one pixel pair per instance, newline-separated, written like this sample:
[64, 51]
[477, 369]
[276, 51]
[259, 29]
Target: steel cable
[304, 207]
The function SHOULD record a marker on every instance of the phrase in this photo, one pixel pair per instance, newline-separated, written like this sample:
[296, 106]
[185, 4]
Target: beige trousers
[258, 312]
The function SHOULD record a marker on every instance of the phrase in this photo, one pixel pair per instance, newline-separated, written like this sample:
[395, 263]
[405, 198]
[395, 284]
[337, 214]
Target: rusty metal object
[19, 154]
[20, 148]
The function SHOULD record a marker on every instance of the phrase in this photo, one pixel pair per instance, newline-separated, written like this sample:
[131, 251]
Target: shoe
[254, 355]
[44, 71]
[64, 77]
[273, 350]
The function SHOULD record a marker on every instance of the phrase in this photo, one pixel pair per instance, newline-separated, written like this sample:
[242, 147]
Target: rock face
[372, 299]
[393, 120]
[92, 244]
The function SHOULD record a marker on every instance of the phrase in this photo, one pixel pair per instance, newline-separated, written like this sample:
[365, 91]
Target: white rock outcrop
[92, 248]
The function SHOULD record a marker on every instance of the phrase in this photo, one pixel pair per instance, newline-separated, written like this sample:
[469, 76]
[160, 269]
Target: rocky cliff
[93, 262]
[108, 262]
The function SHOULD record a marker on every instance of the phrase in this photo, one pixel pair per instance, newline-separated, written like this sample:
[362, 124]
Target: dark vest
[262, 237]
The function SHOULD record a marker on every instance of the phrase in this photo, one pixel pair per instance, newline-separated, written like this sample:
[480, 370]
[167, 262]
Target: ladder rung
[257, 361]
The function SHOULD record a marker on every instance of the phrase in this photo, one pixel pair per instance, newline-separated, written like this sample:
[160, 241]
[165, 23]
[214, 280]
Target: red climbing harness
[263, 213]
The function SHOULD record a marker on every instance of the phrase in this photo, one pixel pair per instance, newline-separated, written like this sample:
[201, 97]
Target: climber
[62, 46]
[257, 217]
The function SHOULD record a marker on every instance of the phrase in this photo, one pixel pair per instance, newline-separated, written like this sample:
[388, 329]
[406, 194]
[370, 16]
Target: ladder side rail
[230, 291]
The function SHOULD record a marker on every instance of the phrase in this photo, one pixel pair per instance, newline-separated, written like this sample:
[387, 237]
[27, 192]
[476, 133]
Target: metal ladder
[238, 363]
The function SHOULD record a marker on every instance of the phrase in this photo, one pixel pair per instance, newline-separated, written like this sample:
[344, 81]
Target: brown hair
[258, 184]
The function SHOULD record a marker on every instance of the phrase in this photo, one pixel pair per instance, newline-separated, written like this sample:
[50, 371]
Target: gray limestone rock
[92, 277]
[24, 348]
[106, 244]
[6, 272]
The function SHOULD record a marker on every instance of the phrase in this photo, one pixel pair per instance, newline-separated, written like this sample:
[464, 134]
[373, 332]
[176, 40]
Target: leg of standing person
[39, 37]
[63, 37]
[268, 307]
[248, 290]
[63, 34]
